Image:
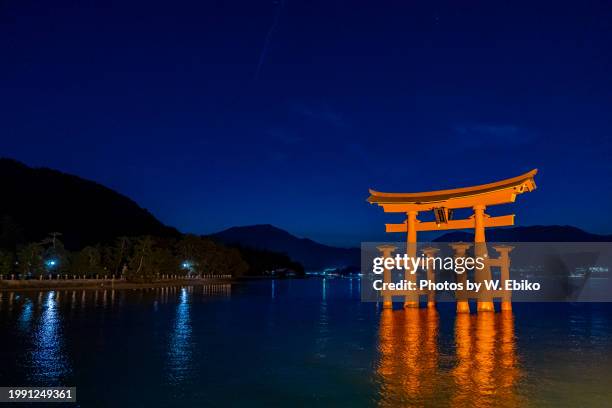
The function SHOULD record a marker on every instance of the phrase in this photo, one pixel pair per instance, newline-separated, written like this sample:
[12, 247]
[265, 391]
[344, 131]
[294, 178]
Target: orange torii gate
[442, 203]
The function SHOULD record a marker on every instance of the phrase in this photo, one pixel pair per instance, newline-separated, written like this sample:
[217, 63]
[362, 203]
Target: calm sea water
[300, 343]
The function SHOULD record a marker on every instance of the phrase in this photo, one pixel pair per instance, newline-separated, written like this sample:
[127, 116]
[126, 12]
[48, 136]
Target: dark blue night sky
[220, 113]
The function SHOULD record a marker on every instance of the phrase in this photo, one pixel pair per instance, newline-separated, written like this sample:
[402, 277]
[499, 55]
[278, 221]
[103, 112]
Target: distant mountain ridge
[535, 233]
[316, 256]
[37, 201]
[312, 255]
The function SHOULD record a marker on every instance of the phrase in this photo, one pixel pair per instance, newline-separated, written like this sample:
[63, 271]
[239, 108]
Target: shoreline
[24, 285]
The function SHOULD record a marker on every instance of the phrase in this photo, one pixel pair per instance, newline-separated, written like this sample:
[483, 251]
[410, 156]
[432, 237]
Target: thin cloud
[494, 134]
[322, 113]
[268, 38]
[284, 136]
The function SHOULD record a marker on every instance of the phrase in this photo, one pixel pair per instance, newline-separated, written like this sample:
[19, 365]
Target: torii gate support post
[504, 266]
[485, 299]
[412, 299]
[387, 252]
[430, 252]
[463, 306]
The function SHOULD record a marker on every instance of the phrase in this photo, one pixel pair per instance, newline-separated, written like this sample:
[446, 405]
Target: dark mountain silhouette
[315, 256]
[536, 233]
[37, 201]
[312, 255]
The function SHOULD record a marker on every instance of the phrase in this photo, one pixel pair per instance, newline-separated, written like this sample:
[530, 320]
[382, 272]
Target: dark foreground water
[300, 343]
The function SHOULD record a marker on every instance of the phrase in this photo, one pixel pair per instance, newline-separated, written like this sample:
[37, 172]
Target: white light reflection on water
[48, 359]
[25, 318]
[179, 353]
[323, 323]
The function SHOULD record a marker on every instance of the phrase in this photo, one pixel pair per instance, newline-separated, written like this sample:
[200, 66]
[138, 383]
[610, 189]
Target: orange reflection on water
[481, 371]
[487, 369]
[408, 354]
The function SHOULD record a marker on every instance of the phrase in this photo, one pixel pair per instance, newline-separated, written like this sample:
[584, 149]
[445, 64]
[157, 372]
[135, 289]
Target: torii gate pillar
[411, 249]
[387, 252]
[485, 304]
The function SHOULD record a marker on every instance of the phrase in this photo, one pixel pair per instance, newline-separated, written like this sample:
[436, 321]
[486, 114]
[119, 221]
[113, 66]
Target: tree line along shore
[134, 261]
